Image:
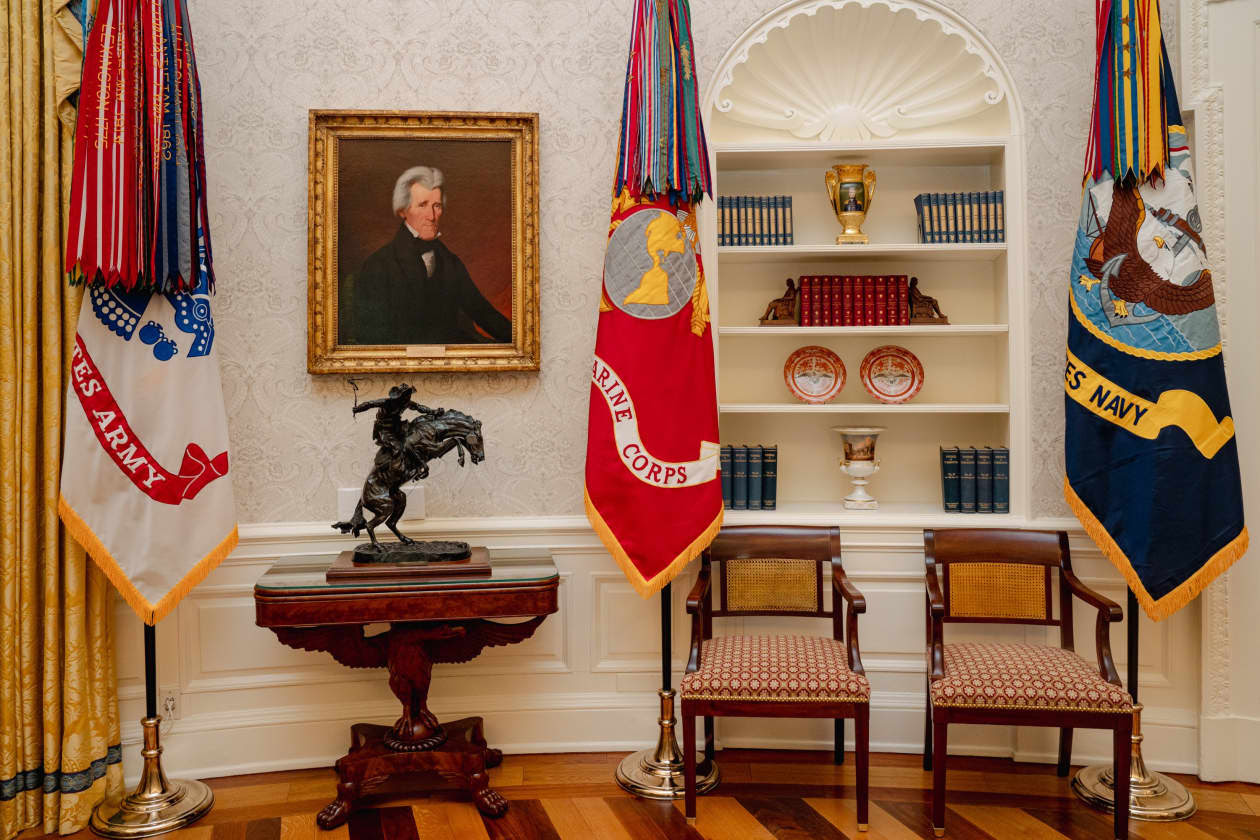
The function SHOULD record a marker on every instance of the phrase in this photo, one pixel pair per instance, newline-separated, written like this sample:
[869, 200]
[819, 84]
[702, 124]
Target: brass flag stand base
[657, 773]
[157, 805]
[1152, 796]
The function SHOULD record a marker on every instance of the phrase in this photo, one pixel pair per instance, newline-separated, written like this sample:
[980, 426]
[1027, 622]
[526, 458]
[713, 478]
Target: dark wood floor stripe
[647, 819]
[268, 829]
[918, 818]
[365, 824]
[525, 820]
[789, 818]
[397, 823]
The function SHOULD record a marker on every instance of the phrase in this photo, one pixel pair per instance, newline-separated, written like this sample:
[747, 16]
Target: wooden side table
[431, 620]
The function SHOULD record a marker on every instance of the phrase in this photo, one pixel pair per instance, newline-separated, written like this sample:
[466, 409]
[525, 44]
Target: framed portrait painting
[423, 242]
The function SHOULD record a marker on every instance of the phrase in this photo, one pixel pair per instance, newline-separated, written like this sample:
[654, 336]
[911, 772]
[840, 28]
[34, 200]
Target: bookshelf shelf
[957, 330]
[774, 132]
[864, 408]
[975, 251]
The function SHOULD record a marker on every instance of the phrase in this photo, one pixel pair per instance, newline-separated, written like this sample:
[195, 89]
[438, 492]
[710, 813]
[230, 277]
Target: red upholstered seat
[775, 668]
[1021, 676]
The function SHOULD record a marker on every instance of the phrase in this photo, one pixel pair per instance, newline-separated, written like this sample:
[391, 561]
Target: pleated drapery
[59, 733]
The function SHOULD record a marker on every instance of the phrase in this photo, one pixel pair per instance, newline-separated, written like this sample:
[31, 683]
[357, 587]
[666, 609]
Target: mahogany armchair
[775, 571]
[1005, 576]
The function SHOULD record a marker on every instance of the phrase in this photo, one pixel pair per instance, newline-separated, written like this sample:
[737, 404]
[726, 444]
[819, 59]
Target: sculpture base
[779, 322]
[428, 551]
[348, 567]
[853, 239]
[861, 504]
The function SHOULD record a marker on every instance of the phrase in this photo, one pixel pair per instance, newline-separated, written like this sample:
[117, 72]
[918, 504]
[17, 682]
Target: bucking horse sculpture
[405, 449]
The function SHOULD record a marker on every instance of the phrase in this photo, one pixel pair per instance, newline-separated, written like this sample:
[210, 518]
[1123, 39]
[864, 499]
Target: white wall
[587, 679]
[1222, 73]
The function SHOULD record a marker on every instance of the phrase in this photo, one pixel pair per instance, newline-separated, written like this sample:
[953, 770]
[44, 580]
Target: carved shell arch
[837, 71]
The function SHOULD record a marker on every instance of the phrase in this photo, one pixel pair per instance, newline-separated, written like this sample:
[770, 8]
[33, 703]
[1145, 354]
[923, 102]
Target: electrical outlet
[168, 703]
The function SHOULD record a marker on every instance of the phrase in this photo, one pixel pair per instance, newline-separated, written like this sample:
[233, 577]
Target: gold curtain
[59, 735]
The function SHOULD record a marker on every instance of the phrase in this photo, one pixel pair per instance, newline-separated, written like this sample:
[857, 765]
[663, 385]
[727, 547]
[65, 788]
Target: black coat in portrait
[394, 299]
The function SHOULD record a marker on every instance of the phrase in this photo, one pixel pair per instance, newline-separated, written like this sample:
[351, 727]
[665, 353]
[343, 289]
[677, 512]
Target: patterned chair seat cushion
[1020, 676]
[775, 669]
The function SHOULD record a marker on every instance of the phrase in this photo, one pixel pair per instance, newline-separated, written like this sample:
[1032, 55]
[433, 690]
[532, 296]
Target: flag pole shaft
[1131, 609]
[150, 671]
[666, 641]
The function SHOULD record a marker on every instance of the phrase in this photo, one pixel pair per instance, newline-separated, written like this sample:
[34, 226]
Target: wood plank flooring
[764, 795]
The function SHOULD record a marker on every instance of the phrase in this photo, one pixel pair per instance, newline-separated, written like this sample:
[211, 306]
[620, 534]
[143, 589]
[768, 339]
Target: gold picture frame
[386, 297]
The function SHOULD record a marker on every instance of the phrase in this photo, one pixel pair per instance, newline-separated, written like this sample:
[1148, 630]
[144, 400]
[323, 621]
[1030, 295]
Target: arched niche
[859, 71]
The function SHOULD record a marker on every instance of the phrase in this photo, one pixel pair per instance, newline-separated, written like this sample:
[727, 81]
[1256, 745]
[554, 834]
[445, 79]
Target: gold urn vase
[851, 187]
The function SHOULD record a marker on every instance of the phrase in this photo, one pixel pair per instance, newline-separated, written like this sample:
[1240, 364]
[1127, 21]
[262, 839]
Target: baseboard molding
[1229, 749]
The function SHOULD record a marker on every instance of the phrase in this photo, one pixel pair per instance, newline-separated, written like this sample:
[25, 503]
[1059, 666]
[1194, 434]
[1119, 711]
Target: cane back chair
[981, 576]
[775, 571]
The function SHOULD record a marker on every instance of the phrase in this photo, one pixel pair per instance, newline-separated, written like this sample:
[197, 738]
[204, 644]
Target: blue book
[934, 213]
[724, 467]
[984, 480]
[951, 207]
[1000, 208]
[763, 220]
[754, 478]
[776, 220]
[985, 234]
[739, 478]
[949, 479]
[973, 205]
[1001, 480]
[967, 480]
[769, 477]
[721, 205]
[741, 221]
[787, 222]
[918, 215]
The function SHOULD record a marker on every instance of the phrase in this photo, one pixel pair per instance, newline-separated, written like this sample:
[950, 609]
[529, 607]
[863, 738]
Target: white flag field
[144, 483]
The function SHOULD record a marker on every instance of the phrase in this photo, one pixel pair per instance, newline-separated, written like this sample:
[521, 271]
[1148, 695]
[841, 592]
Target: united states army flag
[144, 483]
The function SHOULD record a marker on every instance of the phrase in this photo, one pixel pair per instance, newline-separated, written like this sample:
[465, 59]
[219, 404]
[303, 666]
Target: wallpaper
[264, 65]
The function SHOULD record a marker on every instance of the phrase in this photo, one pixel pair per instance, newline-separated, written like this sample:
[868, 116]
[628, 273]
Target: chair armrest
[697, 601]
[935, 625]
[845, 588]
[695, 598]
[1108, 611]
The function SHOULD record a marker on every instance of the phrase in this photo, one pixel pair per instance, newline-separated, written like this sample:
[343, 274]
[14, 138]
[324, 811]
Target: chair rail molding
[861, 70]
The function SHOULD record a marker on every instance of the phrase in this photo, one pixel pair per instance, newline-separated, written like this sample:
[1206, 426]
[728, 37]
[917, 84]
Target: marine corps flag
[652, 490]
[1152, 463]
[144, 483]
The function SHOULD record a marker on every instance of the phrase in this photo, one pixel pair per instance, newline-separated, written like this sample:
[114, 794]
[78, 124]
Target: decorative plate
[891, 374]
[814, 374]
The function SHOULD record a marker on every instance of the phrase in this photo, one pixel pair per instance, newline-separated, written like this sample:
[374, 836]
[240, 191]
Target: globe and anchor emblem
[650, 264]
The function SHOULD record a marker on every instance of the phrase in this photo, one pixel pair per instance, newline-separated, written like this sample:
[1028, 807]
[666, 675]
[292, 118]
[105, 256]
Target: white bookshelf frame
[744, 150]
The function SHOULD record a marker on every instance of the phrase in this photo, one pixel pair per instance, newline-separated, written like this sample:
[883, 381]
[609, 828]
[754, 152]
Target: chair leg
[1123, 746]
[689, 762]
[862, 750]
[839, 741]
[939, 749]
[1065, 751]
[708, 737]
[927, 730]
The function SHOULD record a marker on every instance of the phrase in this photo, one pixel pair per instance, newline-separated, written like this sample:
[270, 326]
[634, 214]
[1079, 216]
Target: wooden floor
[763, 795]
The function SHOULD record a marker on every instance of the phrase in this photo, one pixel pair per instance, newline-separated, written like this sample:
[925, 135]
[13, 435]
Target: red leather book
[827, 283]
[837, 311]
[816, 318]
[881, 301]
[846, 301]
[802, 316]
[903, 300]
[868, 301]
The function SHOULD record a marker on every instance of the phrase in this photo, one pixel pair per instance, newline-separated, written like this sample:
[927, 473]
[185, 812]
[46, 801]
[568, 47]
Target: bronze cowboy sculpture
[405, 448]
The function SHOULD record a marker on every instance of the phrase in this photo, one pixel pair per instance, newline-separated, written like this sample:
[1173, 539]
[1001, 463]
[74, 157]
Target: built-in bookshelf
[975, 384]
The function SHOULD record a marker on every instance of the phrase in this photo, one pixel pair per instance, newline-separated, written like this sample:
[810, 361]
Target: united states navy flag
[1152, 462]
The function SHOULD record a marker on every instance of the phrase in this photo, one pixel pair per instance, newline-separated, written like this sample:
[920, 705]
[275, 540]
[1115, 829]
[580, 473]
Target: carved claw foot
[490, 802]
[494, 758]
[333, 814]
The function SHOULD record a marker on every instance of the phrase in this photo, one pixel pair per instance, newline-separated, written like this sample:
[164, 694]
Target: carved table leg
[410, 673]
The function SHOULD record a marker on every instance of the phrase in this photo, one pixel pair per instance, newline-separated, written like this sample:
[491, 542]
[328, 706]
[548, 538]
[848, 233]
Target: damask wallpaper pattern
[263, 65]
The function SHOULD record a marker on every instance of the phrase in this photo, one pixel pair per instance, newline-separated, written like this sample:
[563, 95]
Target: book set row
[854, 301]
[754, 220]
[976, 479]
[961, 217]
[750, 477]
